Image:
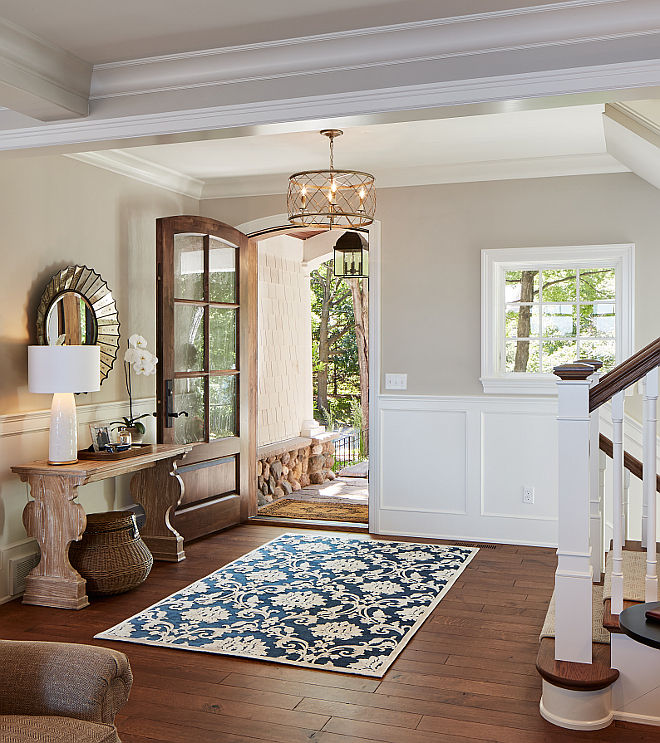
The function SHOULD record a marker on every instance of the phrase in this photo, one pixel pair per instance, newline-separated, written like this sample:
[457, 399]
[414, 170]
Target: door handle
[169, 404]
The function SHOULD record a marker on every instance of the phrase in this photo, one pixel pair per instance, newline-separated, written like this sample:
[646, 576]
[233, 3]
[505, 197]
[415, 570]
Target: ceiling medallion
[331, 198]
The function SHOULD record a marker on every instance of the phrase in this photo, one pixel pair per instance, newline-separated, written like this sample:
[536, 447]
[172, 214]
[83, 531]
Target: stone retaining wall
[288, 466]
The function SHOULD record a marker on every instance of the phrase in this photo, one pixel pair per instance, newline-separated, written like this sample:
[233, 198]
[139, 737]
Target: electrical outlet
[528, 495]
[396, 381]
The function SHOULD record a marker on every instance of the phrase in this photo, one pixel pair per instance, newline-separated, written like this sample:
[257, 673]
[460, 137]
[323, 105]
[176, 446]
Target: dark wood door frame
[219, 476]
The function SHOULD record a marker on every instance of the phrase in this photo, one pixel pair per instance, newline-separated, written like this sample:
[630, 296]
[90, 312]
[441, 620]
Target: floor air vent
[19, 569]
[479, 546]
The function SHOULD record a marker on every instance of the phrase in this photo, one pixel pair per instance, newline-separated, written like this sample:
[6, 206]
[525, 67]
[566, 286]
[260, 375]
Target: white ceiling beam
[633, 141]
[40, 80]
[583, 48]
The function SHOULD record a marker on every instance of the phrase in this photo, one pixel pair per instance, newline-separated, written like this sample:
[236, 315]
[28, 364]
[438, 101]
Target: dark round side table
[635, 624]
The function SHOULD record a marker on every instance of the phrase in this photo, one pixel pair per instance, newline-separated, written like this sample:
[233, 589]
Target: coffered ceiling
[216, 97]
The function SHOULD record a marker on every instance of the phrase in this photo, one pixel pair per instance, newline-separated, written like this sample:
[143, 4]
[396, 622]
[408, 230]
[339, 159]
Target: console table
[55, 521]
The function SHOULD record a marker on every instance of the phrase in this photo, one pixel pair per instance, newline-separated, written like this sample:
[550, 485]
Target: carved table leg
[159, 491]
[54, 521]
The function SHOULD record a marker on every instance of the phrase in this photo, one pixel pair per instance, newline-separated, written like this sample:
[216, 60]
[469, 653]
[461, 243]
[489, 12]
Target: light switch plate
[396, 381]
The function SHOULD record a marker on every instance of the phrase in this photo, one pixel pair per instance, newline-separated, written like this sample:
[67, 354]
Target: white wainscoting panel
[437, 438]
[519, 450]
[454, 468]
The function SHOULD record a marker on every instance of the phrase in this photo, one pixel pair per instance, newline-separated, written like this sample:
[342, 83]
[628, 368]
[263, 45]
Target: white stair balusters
[574, 575]
[650, 479]
[617, 503]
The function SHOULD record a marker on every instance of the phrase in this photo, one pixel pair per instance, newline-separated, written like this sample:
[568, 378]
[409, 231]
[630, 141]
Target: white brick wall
[285, 395]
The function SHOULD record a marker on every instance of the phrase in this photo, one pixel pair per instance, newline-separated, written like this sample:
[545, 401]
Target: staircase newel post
[574, 574]
[617, 503]
[650, 479]
[596, 520]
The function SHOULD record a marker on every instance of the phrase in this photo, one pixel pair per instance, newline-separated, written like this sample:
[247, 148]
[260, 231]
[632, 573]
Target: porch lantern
[351, 256]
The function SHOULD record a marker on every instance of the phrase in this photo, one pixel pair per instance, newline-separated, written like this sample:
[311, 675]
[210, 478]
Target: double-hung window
[542, 307]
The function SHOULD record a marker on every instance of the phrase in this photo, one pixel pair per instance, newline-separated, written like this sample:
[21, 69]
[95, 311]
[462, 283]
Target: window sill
[521, 384]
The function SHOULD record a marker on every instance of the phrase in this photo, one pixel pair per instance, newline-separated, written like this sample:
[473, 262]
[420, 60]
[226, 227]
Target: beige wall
[432, 237]
[57, 212]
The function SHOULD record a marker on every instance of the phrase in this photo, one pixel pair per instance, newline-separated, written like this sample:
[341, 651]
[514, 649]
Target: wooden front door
[207, 370]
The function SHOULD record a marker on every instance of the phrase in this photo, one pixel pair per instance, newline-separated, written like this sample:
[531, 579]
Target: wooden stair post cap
[576, 370]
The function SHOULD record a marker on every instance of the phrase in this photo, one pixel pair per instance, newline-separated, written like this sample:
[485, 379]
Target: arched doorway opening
[286, 399]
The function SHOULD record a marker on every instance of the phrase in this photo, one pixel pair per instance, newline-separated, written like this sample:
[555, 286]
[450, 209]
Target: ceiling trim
[142, 170]
[39, 79]
[633, 143]
[433, 174]
[599, 83]
[474, 37]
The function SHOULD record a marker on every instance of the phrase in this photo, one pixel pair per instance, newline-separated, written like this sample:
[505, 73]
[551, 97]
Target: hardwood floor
[467, 675]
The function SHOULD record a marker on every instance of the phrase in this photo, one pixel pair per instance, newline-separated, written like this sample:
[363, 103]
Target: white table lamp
[63, 370]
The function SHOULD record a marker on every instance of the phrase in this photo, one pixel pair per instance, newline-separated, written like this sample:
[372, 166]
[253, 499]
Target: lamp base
[63, 437]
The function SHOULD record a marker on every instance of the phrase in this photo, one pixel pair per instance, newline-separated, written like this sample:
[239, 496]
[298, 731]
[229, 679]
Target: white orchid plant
[140, 361]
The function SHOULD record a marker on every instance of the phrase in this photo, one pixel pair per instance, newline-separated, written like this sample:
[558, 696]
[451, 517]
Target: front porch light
[351, 258]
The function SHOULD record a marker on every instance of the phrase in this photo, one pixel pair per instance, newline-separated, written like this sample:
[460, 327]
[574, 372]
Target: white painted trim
[39, 79]
[562, 26]
[126, 164]
[36, 421]
[633, 144]
[425, 175]
[120, 126]
[494, 262]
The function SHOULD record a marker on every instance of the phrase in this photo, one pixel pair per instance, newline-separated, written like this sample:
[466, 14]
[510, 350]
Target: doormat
[327, 602]
[286, 508]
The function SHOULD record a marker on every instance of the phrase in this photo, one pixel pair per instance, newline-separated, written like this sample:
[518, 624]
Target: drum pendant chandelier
[331, 198]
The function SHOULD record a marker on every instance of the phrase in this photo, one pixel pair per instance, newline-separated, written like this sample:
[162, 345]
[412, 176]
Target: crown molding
[39, 79]
[475, 37]
[126, 164]
[597, 83]
[433, 174]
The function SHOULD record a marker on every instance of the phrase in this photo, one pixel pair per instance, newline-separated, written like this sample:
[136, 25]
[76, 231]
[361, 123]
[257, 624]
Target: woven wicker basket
[111, 555]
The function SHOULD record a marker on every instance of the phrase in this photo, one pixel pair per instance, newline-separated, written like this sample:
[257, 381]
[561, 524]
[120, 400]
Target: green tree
[554, 316]
[335, 357]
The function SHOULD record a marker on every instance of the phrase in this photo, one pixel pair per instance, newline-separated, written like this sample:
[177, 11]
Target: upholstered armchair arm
[56, 678]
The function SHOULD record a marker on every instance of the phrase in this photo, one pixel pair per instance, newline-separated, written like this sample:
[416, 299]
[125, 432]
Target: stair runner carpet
[600, 634]
[634, 574]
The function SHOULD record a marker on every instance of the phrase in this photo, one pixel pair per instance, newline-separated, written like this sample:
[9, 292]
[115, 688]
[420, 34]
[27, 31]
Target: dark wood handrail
[625, 374]
[632, 464]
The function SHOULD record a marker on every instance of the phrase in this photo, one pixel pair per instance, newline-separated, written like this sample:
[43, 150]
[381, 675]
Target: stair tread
[593, 676]
[611, 621]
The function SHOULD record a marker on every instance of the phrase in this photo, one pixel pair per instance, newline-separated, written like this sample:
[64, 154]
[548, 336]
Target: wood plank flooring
[467, 675]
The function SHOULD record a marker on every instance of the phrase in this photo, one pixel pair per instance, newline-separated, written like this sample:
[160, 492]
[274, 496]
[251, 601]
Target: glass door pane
[222, 271]
[189, 266]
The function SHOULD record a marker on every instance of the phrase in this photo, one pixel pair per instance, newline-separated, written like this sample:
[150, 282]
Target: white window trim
[493, 265]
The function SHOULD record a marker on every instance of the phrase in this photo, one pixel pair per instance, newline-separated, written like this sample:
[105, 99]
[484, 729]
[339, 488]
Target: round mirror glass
[77, 308]
[70, 321]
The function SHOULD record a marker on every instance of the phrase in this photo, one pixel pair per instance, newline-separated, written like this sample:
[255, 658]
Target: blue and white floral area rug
[330, 602]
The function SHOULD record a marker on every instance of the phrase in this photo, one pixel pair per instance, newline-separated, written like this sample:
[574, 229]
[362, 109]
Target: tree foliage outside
[554, 317]
[336, 365]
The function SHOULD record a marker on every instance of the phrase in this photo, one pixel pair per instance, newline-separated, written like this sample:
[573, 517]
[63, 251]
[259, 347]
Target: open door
[207, 371]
